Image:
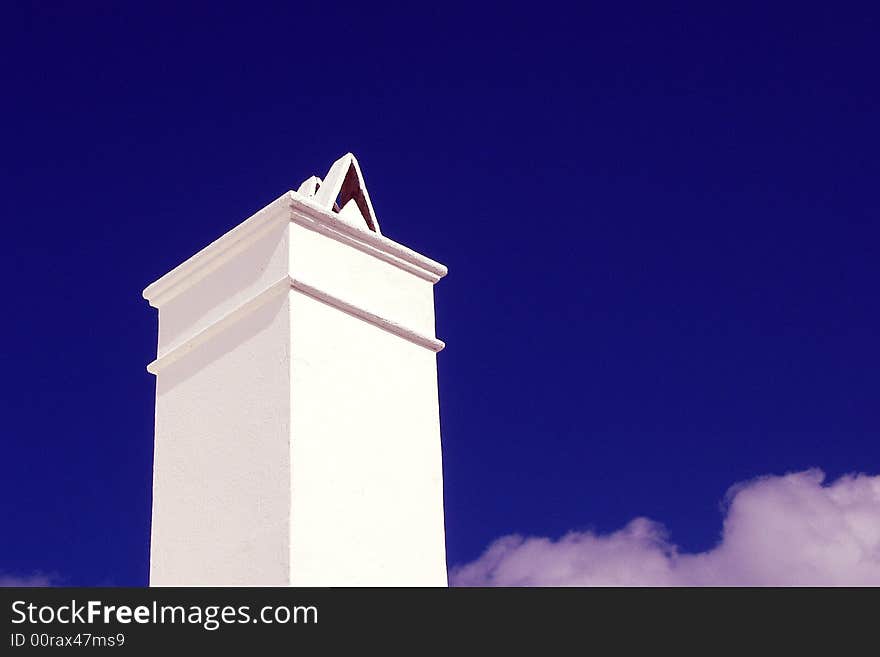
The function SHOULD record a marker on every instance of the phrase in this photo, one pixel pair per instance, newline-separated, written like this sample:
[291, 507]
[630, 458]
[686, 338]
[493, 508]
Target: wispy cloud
[791, 530]
[34, 579]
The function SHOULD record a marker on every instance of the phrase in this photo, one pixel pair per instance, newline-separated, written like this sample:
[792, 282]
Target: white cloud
[35, 579]
[778, 531]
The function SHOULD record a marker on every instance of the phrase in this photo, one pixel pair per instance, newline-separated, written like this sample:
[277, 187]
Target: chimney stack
[297, 423]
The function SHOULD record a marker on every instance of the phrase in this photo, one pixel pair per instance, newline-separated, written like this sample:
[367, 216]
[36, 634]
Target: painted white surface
[221, 474]
[297, 422]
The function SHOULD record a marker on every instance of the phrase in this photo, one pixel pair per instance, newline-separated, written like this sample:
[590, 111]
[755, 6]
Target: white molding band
[289, 283]
[296, 208]
[230, 318]
[218, 252]
[318, 219]
[404, 332]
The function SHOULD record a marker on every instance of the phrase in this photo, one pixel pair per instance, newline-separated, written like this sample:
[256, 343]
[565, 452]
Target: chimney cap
[343, 192]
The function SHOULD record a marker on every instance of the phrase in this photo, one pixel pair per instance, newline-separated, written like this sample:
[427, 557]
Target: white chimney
[297, 424]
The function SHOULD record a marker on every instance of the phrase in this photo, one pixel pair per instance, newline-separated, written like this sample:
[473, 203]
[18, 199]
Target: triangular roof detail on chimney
[343, 191]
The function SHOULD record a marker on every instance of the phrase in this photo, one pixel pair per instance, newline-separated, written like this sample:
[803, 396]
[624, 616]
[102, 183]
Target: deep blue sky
[661, 228]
